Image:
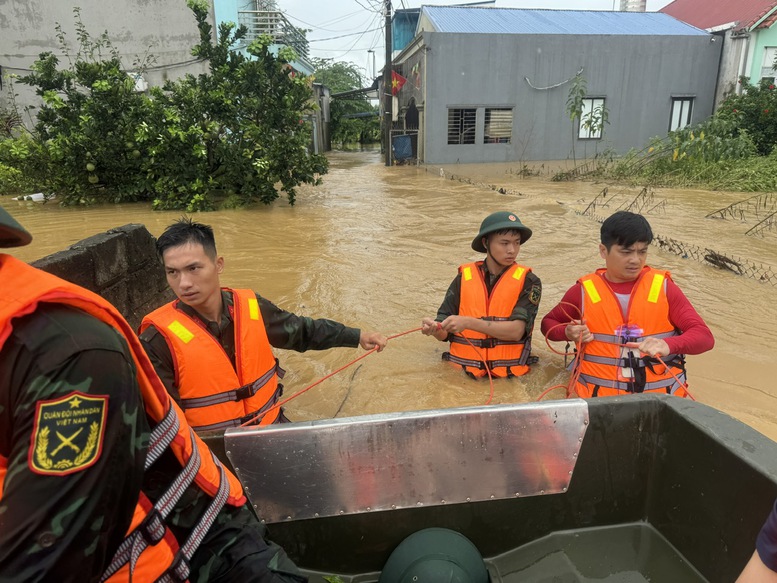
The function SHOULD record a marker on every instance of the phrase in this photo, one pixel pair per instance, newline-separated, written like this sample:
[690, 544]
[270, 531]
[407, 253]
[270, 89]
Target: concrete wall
[731, 65]
[165, 28]
[637, 75]
[121, 265]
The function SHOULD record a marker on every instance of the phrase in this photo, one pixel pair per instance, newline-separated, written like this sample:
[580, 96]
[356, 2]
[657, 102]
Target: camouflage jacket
[284, 330]
[73, 431]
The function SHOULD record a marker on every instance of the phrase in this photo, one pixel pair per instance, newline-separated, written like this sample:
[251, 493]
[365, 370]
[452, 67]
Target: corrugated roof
[714, 13]
[581, 22]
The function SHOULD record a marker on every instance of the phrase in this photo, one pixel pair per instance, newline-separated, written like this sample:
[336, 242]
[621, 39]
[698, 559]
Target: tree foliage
[340, 77]
[755, 112]
[227, 137]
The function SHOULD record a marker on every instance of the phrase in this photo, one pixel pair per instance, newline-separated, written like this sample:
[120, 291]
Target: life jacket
[214, 394]
[608, 368]
[505, 358]
[149, 551]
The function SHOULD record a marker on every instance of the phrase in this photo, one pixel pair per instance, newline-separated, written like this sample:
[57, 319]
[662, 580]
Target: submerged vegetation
[732, 150]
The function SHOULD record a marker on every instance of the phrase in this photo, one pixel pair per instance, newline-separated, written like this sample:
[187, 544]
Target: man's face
[624, 263]
[193, 274]
[504, 248]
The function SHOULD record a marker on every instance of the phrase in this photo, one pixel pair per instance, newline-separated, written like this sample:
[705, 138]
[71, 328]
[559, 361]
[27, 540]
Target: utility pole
[387, 93]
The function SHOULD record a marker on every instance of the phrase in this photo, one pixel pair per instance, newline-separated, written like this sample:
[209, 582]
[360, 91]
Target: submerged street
[377, 247]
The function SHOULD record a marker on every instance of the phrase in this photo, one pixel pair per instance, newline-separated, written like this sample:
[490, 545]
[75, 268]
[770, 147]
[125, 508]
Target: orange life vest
[607, 368]
[214, 394]
[149, 550]
[505, 357]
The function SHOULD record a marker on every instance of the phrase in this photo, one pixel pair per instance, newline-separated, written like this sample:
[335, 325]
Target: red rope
[278, 405]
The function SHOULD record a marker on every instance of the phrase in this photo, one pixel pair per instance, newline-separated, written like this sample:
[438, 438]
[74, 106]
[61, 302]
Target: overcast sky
[363, 22]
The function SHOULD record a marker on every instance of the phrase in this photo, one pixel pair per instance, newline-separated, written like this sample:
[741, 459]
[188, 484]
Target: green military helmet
[12, 234]
[435, 555]
[500, 221]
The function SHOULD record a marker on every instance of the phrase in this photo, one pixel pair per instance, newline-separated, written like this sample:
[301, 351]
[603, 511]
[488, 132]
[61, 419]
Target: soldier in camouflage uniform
[73, 439]
[201, 298]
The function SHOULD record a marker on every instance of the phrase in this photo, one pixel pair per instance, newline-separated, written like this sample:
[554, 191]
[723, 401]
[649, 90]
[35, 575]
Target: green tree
[574, 106]
[755, 112]
[83, 146]
[236, 133]
[340, 77]
[227, 137]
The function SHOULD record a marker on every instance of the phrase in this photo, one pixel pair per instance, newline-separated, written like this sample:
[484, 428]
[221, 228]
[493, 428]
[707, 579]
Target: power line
[376, 17]
[321, 27]
[315, 40]
[371, 7]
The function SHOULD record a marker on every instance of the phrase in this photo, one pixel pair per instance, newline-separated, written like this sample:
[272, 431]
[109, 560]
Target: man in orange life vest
[489, 309]
[628, 302]
[101, 478]
[212, 347]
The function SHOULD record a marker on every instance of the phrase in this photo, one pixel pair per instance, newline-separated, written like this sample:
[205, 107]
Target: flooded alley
[377, 247]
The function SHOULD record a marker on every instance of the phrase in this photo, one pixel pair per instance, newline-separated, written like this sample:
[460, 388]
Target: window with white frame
[682, 109]
[592, 118]
[770, 54]
[461, 125]
[499, 125]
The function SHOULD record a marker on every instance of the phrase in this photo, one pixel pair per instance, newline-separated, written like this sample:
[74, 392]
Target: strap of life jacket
[245, 392]
[153, 528]
[670, 384]
[489, 342]
[491, 363]
[246, 418]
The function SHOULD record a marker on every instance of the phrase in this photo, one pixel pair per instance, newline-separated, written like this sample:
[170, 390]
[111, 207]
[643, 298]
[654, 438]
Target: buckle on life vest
[245, 392]
[153, 527]
[487, 342]
[179, 569]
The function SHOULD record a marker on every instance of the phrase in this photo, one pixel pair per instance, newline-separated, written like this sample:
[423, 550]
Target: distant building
[745, 28]
[262, 17]
[491, 84]
[633, 5]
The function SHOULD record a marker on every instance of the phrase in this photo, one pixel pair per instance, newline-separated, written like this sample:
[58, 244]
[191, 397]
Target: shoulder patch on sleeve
[67, 435]
[535, 294]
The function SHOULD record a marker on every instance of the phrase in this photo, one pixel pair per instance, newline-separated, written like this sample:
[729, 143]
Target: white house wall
[637, 75]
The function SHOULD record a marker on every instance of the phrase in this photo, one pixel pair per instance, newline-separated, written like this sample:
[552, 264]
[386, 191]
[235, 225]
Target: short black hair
[625, 228]
[184, 231]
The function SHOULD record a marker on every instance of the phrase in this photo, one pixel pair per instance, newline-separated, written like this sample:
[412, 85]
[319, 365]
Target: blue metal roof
[580, 22]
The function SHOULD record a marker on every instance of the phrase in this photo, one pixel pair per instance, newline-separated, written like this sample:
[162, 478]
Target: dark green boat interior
[664, 489]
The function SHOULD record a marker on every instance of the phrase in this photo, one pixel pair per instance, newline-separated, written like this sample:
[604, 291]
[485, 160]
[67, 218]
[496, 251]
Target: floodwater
[377, 247]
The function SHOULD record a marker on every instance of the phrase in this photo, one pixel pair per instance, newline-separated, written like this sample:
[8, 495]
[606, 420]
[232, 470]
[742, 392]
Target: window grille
[461, 126]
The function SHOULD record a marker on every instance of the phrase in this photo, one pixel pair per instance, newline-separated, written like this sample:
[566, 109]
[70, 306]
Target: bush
[755, 112]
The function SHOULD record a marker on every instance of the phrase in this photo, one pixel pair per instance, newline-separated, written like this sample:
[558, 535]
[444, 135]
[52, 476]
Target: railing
[276, 25]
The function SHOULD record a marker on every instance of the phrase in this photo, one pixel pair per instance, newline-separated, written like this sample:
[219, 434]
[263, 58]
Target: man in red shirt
[625, 316]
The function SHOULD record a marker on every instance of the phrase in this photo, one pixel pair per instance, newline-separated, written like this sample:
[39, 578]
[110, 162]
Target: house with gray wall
[491, 84]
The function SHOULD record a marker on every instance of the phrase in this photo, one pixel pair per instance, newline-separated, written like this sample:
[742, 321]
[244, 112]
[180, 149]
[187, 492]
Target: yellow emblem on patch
[68, 433]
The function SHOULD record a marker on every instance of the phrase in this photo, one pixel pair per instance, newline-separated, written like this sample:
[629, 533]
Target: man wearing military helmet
[489, 309]
[101, 478]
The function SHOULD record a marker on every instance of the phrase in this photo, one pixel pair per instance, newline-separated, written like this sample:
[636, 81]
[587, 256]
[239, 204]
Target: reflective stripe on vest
[214, 393]
[603, 357]
[170, 431]
[504, 358]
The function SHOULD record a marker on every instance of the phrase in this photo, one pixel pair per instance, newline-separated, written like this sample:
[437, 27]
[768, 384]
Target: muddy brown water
[376, 247]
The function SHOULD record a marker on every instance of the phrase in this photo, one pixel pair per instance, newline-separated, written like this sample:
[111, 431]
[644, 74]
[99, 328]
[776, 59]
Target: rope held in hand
[278, 405]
